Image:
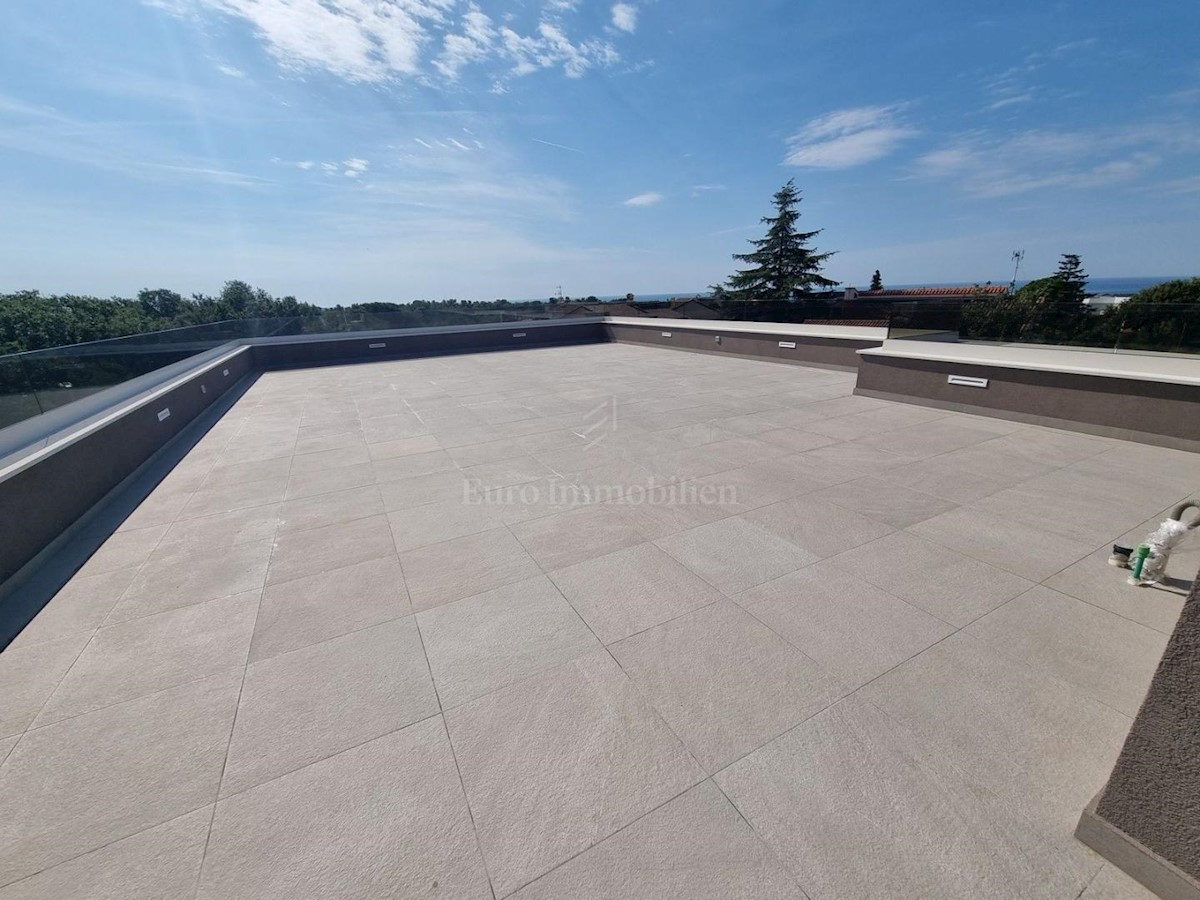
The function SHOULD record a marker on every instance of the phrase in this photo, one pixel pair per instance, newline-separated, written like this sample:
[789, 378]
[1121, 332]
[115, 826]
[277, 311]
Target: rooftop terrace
[595, 621]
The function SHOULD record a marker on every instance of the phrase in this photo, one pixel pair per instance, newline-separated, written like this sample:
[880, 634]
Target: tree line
[31, 320]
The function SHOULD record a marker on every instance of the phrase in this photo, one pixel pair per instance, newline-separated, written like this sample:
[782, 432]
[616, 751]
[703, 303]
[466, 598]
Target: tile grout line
[96, 629]
[449, 740]
[238, 704]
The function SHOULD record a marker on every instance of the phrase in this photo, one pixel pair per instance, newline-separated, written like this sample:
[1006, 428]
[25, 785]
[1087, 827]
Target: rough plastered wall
[1153, 794]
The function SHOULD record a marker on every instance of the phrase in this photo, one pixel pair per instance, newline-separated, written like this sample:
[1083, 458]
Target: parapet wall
[1147, 818]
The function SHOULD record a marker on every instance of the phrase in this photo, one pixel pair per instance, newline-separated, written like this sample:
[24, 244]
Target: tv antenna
[1017, 256]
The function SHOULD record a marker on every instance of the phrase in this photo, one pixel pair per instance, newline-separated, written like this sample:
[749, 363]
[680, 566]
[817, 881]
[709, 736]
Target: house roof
[963, 291]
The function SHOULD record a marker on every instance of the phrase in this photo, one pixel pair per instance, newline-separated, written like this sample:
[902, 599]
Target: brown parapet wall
[1146, 821]
[1154, 412]
[819, 352]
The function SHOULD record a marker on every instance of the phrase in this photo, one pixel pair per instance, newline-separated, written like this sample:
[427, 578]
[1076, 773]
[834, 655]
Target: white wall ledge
[784, 329]
[1169, 369]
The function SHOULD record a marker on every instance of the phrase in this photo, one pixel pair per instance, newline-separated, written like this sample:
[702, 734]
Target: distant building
[965, 292]
[685, 309]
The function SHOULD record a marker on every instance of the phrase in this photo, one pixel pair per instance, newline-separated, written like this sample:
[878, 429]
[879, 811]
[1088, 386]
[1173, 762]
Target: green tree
[782, 265]
[1071, 280]
[877, 281]
[160, 302]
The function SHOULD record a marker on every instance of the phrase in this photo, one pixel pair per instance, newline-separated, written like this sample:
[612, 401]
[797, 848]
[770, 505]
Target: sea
[1121, 287]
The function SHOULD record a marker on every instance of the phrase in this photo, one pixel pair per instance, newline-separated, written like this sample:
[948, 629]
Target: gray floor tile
[123, 550]
[302, 706]
[414, 464]
[390, 820]
[724, 682]
[1018, 547]
[330, 509]
[240, 526]
[224, 474]
[226, 497]
[850, 785]
[443, 520]
[633, 589]
[157, 509]
[819, 527]
[318, 607]
[880, 499]
[696, 846]
[735, 554]
[153, 653]
[1038, 743]
[82, 604]
[571, 537]
[954, 588]
[464, 567]
[494, 639]
[174, 578]
[516, 470]
[302, 553]
[848, 626]
[324, 460]
[30, 675]
[1049, 447]
[80, 784]
[315, 482]
[418, 490]
[1111, 883]
[162, 862]
[947, 479]
[405, 446]
[1109, 658]
[1156, 606]
[557, 762]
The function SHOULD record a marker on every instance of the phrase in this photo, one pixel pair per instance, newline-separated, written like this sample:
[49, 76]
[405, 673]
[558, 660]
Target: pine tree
[783, 265]
[877, 281]
[1070, 280]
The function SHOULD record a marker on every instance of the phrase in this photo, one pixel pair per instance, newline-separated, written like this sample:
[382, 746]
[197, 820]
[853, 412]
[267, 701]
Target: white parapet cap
[1169, 368]
[786, 329]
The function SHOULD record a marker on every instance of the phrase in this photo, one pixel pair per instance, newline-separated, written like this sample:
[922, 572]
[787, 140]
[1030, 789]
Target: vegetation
[876, 281]
[782, 265]
[1051, 311]
[30, 320]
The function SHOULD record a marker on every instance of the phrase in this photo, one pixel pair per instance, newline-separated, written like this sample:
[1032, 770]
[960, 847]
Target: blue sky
[344, 150]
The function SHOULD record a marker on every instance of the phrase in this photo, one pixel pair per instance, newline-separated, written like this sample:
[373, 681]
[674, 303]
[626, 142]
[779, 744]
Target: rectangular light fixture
[967, 381]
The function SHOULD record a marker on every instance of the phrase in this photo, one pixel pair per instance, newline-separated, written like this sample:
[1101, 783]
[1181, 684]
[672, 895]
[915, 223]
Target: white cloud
[624, 17]
[650, 198]
[988, 166]
[305, 165]
[847, 137]
[376, 41]
[231, 71]
[474, 44]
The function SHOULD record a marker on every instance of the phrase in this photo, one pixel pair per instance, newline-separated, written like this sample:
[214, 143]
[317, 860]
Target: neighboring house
[966, 292]
[603, 309]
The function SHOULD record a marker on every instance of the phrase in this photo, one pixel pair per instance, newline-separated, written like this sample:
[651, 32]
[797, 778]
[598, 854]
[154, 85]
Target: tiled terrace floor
[871, 650]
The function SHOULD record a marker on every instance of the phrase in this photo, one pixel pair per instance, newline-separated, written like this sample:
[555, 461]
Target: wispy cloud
[1014, 100]
[231, 71]
[847, 137]
[375, 41]
[988, 165]
[700, 189]
[650, 198]
[625, 17]
[556, 146]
